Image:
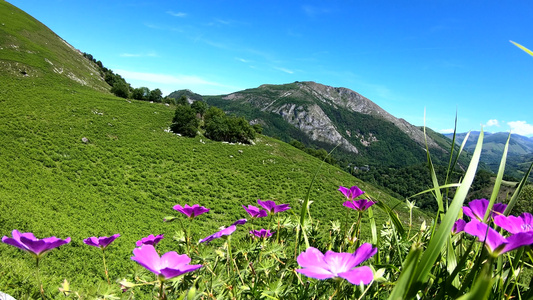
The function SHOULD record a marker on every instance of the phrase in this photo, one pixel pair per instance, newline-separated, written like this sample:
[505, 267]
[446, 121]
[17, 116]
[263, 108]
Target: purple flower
[263, 233]
[170, 265]
[271, 206]
[226, 231]
[240, 222]
[333, 264]
[458, 226]
[100, 242]
[359, 205]
[351, 193]
[191, 211]
[149, 240]
[255, 212]
[514, 225]
[28, 242]
[476, 209]
[495, 242]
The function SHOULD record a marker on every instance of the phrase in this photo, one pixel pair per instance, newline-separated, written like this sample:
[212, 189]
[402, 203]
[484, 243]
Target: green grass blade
[482, 288]
[433, 189]
[406, 277]
[523, 48]
[440, 238]
[451, 164]
[498, 182]
[438, 194]
[394, 218]
[451, 261]
[521, 185]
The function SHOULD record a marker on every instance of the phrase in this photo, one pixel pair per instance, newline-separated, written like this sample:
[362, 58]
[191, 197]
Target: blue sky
[408, 57]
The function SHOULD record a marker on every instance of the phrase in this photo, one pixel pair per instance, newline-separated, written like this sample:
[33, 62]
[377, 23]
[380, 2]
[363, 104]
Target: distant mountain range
[520, 153]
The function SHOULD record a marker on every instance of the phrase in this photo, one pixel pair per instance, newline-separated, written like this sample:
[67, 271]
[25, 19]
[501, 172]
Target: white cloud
[177, 14]
[493, 122]
[521, 127]
[443, 131]
[169, 83]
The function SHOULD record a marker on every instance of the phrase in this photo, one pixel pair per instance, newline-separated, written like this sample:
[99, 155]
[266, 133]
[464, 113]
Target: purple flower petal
[493, 240]
[101, 242]
[351, 193]
[513, 224]
[268, 204]
[332, 264]
[149, 240]
[239, 222]
[476, 209]
[28, 242]
[359, 205]
[255, 212]
[361, 275]
[191, 211]
[170, 265]
[263, 233]
[271, 206]
[518, 240]
[458, 226]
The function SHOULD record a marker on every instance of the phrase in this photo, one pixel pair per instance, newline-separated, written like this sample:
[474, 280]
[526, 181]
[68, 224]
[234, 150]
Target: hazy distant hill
[324, 116]
[520, 153]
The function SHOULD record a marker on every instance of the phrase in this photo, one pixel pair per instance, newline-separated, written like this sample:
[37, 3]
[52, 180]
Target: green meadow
[76, 163]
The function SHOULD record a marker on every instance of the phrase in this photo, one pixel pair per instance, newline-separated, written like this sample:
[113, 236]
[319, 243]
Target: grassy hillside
[78, 162]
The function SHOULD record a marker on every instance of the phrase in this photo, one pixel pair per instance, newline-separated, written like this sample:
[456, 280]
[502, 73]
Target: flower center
[527, 227]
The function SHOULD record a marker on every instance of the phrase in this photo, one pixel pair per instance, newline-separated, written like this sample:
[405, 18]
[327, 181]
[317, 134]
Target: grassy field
[128, 175]
[76, 162]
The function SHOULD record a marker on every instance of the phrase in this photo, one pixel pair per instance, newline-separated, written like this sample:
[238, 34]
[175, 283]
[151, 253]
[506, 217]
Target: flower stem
[345, 229]
[39, 277]
[277, 233]
[162, 295]
[105, 267]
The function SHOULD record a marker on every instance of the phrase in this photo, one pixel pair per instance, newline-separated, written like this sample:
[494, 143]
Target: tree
[141, 93]
[200, 107]
[185, 121]
[156, 95]
[182, 100]
[120, 89]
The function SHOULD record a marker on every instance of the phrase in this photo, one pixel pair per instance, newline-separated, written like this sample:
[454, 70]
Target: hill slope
[77, 161]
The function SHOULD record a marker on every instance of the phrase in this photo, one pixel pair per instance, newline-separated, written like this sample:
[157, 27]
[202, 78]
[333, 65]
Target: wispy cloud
[521, 128]
[149, 54]
[242, 60]
[284, 70]
[177, 14]
[313, 11]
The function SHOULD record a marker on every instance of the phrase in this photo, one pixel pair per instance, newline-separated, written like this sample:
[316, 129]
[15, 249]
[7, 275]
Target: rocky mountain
[324, 116]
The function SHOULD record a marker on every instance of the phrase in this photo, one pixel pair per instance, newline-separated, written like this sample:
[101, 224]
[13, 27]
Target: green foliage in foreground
[81, 163]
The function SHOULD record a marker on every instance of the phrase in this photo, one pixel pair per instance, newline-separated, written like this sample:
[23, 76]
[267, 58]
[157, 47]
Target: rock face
[300, 103]
[315, 123]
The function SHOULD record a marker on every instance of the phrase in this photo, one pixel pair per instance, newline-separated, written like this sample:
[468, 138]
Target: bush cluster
[190, 119]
